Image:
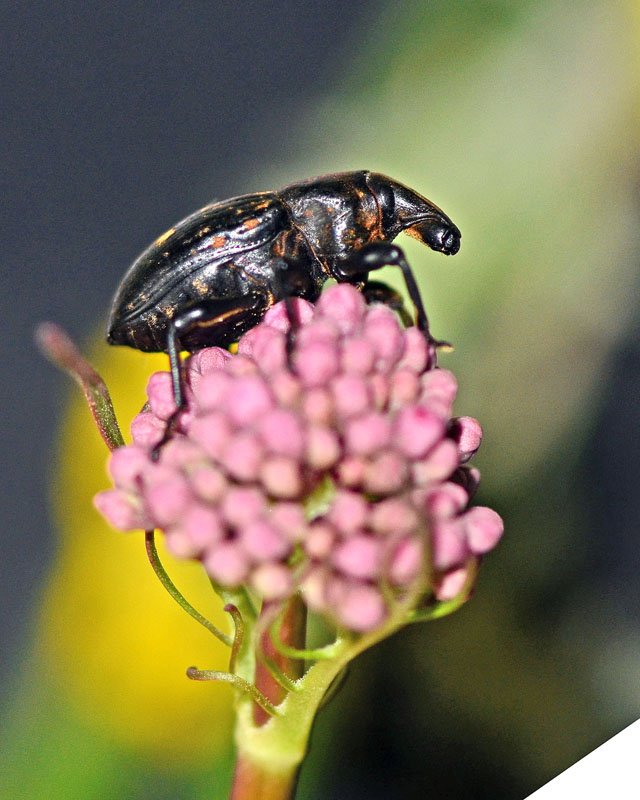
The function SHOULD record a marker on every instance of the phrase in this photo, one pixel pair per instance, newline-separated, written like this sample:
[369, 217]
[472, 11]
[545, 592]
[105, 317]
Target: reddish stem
[254, 781]
[251, 782]
[293, 633]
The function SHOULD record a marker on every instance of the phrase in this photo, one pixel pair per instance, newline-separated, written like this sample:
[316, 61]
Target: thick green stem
[270, 755]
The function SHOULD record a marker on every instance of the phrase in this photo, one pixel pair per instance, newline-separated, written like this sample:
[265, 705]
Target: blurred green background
[521, 120]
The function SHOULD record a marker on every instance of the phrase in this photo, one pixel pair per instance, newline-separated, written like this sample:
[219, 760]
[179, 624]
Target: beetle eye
[451, 242]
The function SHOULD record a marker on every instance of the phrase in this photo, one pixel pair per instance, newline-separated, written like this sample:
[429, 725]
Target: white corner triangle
[611, 770]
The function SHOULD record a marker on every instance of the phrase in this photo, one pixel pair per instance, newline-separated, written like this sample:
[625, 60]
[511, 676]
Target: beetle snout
[441, 235]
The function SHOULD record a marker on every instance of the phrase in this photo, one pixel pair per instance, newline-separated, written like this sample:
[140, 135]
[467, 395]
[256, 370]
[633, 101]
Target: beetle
[211, 277]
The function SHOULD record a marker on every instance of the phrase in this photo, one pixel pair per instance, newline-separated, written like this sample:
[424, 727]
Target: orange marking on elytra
[161, 239]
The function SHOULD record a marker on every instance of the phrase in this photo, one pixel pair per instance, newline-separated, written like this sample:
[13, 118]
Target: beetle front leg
[376, 255]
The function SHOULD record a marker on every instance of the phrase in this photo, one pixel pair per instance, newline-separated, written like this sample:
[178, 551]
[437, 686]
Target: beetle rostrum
[211, 277]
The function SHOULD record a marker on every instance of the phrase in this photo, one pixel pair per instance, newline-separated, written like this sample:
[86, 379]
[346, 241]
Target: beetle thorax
[336, 215]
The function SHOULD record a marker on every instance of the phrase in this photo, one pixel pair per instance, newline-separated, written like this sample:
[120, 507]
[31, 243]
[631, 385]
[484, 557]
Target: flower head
[337, 469]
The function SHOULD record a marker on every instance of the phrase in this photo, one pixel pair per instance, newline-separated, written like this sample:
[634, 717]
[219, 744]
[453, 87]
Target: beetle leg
[175, 365]
[215, 321]
[378, 292]
[218, 321]
[376, 255]
[292, 281]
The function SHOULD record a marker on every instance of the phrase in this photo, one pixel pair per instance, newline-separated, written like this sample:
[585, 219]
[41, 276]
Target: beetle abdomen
[200, 258]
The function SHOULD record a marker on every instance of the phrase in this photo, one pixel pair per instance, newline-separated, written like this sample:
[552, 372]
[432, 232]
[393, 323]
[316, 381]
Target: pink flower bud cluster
[359, 402]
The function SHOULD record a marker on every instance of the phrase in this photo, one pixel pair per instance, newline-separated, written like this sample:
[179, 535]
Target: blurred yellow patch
[110, 633]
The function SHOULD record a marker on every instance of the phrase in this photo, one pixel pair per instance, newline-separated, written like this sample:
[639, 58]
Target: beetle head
[402, 209]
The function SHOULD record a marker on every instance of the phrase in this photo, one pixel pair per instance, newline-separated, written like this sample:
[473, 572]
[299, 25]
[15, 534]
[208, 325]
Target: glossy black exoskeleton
[213, 276]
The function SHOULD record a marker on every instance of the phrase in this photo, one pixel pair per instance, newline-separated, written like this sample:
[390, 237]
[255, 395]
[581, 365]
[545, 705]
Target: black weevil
[213, 276]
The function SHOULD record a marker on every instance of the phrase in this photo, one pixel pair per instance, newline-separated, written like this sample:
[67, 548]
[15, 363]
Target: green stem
[58, 347]
[256, 695]
[165, 580]
[238, 636]
[270, 755]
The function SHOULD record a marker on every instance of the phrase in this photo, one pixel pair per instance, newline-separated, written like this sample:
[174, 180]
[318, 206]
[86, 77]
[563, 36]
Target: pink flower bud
[168, 499]
[439, 389]
[357, 356]
[416, 430]
[267, 346]
[209, 483]
[278, 317]
[210, 359]
[272, 581]
[407, 561]
[317, 406]
[467, 434]
[282, 432]
[262, 541]
[322, 447]
[121, 510]
[368, 433]
[243, 456]
[361, 608]
[242, 505]
[289, 519]
[127, 466]
[350, 394]
[160, 393]
[351, 471]
[386, 472]
[319, 330]
[382, 329]
[438, 465]
[445, 500]
[201, 528]
[415, 352]
[450, 584]
[281, 477]
[212, 432]
[286, 388]
[483, 527]
[345, 307]
[211, 390]
[449, 546]
[394, 516]
[316, 362]
[226, 564]
[147, 430]
[349, 512]
[360, 557]
[404, 388]
[320, 539]
[248, 397]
